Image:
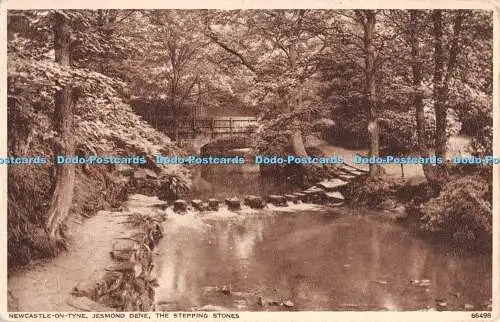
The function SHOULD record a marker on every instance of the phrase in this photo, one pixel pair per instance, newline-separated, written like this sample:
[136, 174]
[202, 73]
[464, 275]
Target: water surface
[317, 258]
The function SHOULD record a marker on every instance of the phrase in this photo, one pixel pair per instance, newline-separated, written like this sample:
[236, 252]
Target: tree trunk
[439, 174]
[62, 197]
[297, 141]
[416, 66]
[373, 128]
[439, 85]
[297, 144]
[176, 127]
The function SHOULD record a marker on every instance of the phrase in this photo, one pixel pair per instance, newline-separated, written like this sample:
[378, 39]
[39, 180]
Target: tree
[362, 46]
[416, 66]
[65, 99]
[443, 71]
[367, 19]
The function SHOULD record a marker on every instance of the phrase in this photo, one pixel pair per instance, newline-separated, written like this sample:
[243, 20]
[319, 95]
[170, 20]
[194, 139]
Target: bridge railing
[215, 127]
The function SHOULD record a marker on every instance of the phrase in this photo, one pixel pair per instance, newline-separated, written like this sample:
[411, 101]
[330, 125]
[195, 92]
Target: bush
[482, 141]
[462, 212]
[371, 192]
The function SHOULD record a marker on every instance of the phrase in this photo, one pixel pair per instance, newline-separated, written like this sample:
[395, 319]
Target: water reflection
[234, 181]
[317, 260]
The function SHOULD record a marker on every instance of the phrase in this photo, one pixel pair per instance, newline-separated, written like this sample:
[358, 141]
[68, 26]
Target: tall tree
[416, 66]
[443, 71]
[65, 99]
[367, 20]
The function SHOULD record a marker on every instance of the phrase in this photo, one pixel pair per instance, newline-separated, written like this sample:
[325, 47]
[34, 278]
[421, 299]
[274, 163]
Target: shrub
[462, 212]
[371, 192]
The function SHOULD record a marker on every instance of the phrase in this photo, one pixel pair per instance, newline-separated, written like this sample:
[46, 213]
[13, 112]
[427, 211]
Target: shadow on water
[234, 181]
[315, 259]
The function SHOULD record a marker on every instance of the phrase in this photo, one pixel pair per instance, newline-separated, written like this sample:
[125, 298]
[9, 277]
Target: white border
[265, 4]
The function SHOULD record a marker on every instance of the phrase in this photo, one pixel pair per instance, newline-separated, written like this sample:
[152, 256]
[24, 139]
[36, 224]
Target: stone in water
[233, 203]
[334, 197]
[180, 206]
[213, 204]
[197, 204]
[302, 197]
[277, 200]
[254, 202]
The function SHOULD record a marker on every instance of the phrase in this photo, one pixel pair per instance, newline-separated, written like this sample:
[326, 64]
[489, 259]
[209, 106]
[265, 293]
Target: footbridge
[199, 131]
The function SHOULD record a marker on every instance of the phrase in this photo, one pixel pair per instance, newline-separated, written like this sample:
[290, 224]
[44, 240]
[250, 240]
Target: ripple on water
[317, 257]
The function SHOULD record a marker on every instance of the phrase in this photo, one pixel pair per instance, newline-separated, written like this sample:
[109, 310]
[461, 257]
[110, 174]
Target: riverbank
[73, 280]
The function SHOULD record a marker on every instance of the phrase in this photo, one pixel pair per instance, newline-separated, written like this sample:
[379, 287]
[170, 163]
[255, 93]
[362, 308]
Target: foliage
[104, 125]
[462, 212]
[371, 192]
[130, 286]
[475, 110]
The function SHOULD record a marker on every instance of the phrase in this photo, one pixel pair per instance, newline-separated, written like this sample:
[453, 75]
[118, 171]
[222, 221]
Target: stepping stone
[314, 189]
[233, 203]
[180, 206]
[312, 192]
[300, 196]
[332, 185]
[315, 195]
[254, 202]
[334, 197]
[346, 171]
[197, 204]
[346, 177]
[292, 198]
[277, 200]
[319, 199]
[308, 196]
[213, 204]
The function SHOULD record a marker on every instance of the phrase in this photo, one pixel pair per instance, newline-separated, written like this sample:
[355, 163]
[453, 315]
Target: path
[392, 170]
[47, 286]
[456, 146]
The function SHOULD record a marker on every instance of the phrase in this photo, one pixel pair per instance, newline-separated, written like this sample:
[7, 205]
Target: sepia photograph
[206, 163]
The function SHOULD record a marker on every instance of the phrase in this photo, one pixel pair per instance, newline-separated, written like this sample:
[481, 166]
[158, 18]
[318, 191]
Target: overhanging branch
[230, 50]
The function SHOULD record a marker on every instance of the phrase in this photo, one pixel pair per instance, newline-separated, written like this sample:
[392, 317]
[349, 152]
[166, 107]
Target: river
[306, 257]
